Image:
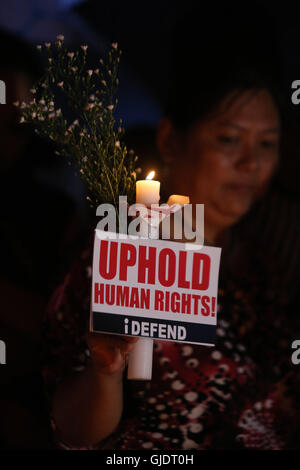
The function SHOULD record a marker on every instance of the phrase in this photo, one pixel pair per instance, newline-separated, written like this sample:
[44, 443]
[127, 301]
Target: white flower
[117, 144]
[66, 133]
[114, 45]
[76, 122]
[49, 60]
[23, 105]
[70, 54]
[48, 44]
[74, 69]
[92, 97]
[33, 115]
[81, 171]
[58, 112]
[41, 118]
[22, 119]
[110, 107]
[85, 159]
[39, 47]
[32, 90]
[60, 37]
[42, 101]
[84, 47]
[51, 115]
[44, 85]
[90, 72]
[60, 84]
[16, 103]
[51, 103]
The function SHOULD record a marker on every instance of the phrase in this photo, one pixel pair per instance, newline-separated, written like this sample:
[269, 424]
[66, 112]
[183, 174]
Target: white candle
[147, 191]
[140, 358]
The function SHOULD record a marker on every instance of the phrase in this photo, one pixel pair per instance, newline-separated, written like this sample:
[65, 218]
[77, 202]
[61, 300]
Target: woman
[221, 151]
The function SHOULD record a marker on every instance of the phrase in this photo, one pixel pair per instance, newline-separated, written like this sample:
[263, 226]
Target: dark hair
[214, 56]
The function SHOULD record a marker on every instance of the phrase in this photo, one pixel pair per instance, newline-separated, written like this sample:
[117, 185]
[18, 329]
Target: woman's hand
[109, 352]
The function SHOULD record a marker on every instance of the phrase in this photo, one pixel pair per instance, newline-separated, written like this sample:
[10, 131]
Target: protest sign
[154, 288]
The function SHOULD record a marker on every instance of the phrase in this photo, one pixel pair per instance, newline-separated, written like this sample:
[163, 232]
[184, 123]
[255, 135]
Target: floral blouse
[243, 393]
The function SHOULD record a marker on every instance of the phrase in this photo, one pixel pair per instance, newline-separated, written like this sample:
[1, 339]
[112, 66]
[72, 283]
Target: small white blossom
[60, 84]
[44, 85]
[22, 119]
[33, 115]
[84, 47]
[92, 97]
[74, 69]
[66, 133]
[39, 47]
[45, 108]
[60, 37]
[48, 44]
[51, 115]
[49, 60]
[117, 144]
[90, 72]
[58, 112]
[114, 45]
[76, 122]
[110, 107]
[51, 103]
[23, 105]
[81, 171]
[41, 118]
[16, 103]
[32, 90]
[70, 54]
[42, 101]
[85, 159]
[81, 134]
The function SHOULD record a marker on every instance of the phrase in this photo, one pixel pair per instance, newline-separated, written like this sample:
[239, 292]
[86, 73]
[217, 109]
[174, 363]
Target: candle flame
[150, 176]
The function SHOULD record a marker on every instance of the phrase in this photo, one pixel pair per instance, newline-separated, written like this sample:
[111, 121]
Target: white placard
[154, 288]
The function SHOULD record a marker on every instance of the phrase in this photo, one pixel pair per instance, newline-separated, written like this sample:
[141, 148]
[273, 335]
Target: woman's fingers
[110, 352]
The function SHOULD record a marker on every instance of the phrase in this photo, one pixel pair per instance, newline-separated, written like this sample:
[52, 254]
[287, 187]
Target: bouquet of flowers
[85, 131]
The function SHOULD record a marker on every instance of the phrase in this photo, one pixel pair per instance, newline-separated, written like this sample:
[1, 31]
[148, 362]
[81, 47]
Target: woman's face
[227, 160]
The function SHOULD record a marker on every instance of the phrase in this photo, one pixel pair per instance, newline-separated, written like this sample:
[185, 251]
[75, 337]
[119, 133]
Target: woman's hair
[217, 54]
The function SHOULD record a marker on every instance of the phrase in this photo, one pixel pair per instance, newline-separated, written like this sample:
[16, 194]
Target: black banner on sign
[196, 333]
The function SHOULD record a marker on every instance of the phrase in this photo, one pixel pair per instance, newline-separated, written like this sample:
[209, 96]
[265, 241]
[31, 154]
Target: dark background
[44, 216]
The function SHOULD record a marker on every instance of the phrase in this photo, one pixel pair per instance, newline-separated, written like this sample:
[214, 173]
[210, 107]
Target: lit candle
[140, 358]
[147, 191]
